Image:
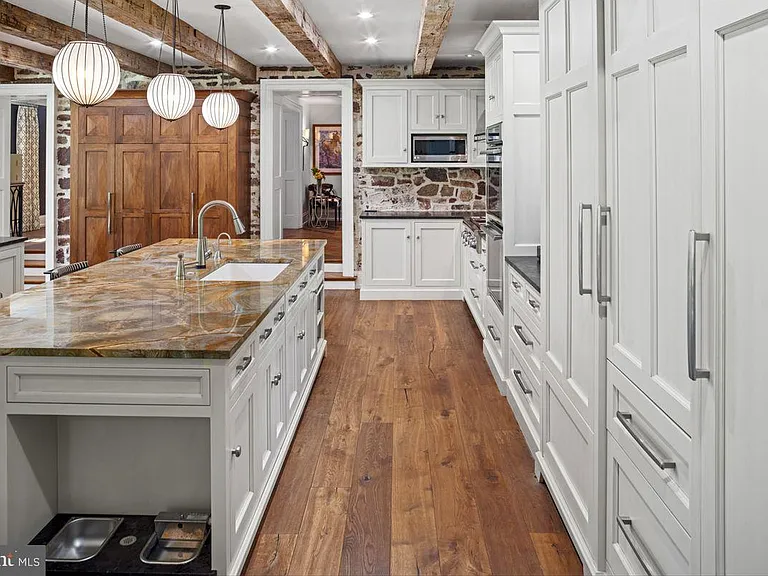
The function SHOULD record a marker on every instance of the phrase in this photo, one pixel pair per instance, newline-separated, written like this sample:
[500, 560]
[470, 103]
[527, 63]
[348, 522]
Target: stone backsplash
[433, 189]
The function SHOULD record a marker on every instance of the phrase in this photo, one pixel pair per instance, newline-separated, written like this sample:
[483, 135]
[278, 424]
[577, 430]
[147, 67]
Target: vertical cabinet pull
[649, 566]
[603, 213]
[582, 207]
[109, 213]
[192, 214]
[694, 372]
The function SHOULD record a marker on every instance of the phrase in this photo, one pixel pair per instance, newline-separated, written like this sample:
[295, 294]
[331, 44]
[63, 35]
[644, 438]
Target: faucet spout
[201, 240]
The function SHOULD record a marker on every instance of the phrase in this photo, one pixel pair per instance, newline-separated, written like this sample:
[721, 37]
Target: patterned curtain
[28, 145]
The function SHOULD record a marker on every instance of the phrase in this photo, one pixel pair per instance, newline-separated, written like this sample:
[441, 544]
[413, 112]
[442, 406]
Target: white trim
[411, 294]
[335, 267]
[340, 285]
[268, 90]
[424, 84]
[49, 92]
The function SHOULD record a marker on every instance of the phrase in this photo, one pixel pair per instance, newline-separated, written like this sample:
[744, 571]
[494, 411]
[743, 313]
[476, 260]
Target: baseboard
[580, 543]
[340, 285]
[335, 267]
[411, 294]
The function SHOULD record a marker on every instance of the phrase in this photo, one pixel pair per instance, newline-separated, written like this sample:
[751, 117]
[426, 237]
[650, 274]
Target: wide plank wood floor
[407, 459]
[332, 235]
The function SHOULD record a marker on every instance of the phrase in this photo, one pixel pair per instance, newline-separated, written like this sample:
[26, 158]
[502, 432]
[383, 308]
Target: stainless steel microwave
[439, 148]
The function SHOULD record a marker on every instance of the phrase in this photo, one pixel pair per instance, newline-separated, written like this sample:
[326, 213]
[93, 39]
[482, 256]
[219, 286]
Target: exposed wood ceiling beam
[291, 18]
[18, 57]
[30, 26]
[148, 17]
[7, 74]
[435, 17]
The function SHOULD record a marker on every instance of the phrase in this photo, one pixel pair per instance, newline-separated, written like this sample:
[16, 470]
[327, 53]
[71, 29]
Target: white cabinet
[296, 358]
[244, 471]
[11, 269]
[411, 259]
[438, 258]
[425, 110]
[494, 93]
[476, 125]
[387, 253]
[385, 126]
[454, 111]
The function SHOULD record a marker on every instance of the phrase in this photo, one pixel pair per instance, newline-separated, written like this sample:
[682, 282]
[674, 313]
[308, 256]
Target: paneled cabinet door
[277, 412]
[133, 193]
[133, 125]
[209, 181]
[95, 125]
[425, 110]
[387, 253]
[438, 254]
[172, 215]
[494, 89]
[204, 133]
[654, 194]
[242, 488]
[477, 124]
[385, 132]
[454, 111]
[94, 234]
[295, 360]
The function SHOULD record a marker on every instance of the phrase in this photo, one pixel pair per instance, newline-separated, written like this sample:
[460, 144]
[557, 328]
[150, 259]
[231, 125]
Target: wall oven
[495, 240]
[439, 148]
[493, 157]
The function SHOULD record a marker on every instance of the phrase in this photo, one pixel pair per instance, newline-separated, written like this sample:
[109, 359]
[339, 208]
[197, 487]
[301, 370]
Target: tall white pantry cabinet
[655, 302]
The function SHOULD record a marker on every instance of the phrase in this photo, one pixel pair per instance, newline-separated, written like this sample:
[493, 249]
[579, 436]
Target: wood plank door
[172, 196]
[654, 193]
[94, 232]
[209, 181]
[731, 277]
[134, 172]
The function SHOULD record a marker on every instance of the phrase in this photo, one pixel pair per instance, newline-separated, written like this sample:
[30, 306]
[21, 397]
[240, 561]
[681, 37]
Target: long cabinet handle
[602, 216]
[245, 363]
[694, 372]
[519, 377]
[474, 293]
[521, 334]
[650, 567]
[625, 419]
[582, 207]
[109, 213]
[191, 213]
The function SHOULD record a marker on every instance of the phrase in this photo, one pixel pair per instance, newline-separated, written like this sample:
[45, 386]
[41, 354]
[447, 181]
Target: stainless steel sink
[81, 539]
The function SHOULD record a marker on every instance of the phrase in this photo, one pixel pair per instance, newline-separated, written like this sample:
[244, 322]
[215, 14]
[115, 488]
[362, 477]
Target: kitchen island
[128, 392]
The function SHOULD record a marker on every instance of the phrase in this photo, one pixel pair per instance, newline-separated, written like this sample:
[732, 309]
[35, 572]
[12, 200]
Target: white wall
[319, 110]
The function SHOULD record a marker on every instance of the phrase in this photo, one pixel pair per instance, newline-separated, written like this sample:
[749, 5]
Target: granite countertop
[418, 214]
[132, 307]
[529, 268]
[9, 240]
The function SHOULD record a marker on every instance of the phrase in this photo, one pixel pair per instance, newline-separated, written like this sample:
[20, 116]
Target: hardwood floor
[407, 459]
[331, 235]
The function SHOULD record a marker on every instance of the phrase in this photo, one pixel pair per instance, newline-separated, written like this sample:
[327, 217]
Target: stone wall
[401, 188]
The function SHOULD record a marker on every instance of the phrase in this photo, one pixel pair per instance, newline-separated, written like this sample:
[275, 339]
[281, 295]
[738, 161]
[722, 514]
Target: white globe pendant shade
[220, 110]
[171, 96]
[86, 72]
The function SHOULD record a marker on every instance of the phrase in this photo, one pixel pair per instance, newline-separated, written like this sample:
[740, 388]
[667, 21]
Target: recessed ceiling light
[365, 15]
[371, 40]
[271, 49]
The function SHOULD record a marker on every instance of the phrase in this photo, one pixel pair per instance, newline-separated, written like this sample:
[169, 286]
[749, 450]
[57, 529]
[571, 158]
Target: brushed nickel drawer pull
[293, 298]
[533, 304]
[240, 368]
[267, 334]
[276, 379]
[474, 293]
[519, 330]
[301, 335]
[492, 332]
[474, 265]
[519, 377]
[625, 419]
[280, 316]
[650, 567]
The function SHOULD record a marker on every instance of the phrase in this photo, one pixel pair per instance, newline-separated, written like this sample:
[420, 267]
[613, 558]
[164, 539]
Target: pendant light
[86, 71]
[220, 109]
[171, 95]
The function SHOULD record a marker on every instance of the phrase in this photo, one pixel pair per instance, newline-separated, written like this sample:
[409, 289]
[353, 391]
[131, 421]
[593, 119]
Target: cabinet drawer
[241, 368]
[64, 385]
[274, 319]
[527, 389]
[643, 535]
[526, 344]
[654, 443]
[494, 326]
[517, 288]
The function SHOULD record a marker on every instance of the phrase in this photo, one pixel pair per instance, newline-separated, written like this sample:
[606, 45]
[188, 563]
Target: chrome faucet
[202, 243]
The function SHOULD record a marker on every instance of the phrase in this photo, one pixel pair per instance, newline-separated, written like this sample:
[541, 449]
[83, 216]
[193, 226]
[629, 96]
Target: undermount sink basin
[246, 272]
[81, 539]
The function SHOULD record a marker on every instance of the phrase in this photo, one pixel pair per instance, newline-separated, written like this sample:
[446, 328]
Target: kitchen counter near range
[132, 306]
[529, 268]
[10, 240]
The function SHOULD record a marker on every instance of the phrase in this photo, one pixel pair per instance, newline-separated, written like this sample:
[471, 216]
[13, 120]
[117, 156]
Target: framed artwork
[327, 147]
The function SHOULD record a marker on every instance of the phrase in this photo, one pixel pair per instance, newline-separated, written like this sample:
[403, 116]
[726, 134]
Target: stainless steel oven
[495, 239]
[439, 148]
[493, 161]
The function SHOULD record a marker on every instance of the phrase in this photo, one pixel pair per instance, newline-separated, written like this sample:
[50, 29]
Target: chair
[126, 249]
[61, 271]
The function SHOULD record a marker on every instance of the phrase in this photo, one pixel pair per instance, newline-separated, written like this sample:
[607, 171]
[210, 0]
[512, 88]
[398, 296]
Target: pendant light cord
[221, 39]
[162, 36]
[103, 19]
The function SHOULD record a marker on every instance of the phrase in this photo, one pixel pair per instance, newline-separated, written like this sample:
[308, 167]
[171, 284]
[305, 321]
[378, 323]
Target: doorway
[310, 126]
[28, 173]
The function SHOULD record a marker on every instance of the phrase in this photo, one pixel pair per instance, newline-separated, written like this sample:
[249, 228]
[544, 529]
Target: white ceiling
[395, 24]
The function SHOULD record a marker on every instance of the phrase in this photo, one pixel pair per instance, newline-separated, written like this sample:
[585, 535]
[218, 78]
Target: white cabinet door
[243, 487]
[494, 89]
[385, 132]
[277, 408]
[295, 361]
[454, 111]
[425, 110]
[310, 316]
[731, 270]
[11, 270]
[476, 124]
[387, 253]
[654, 194]
[438, 255]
